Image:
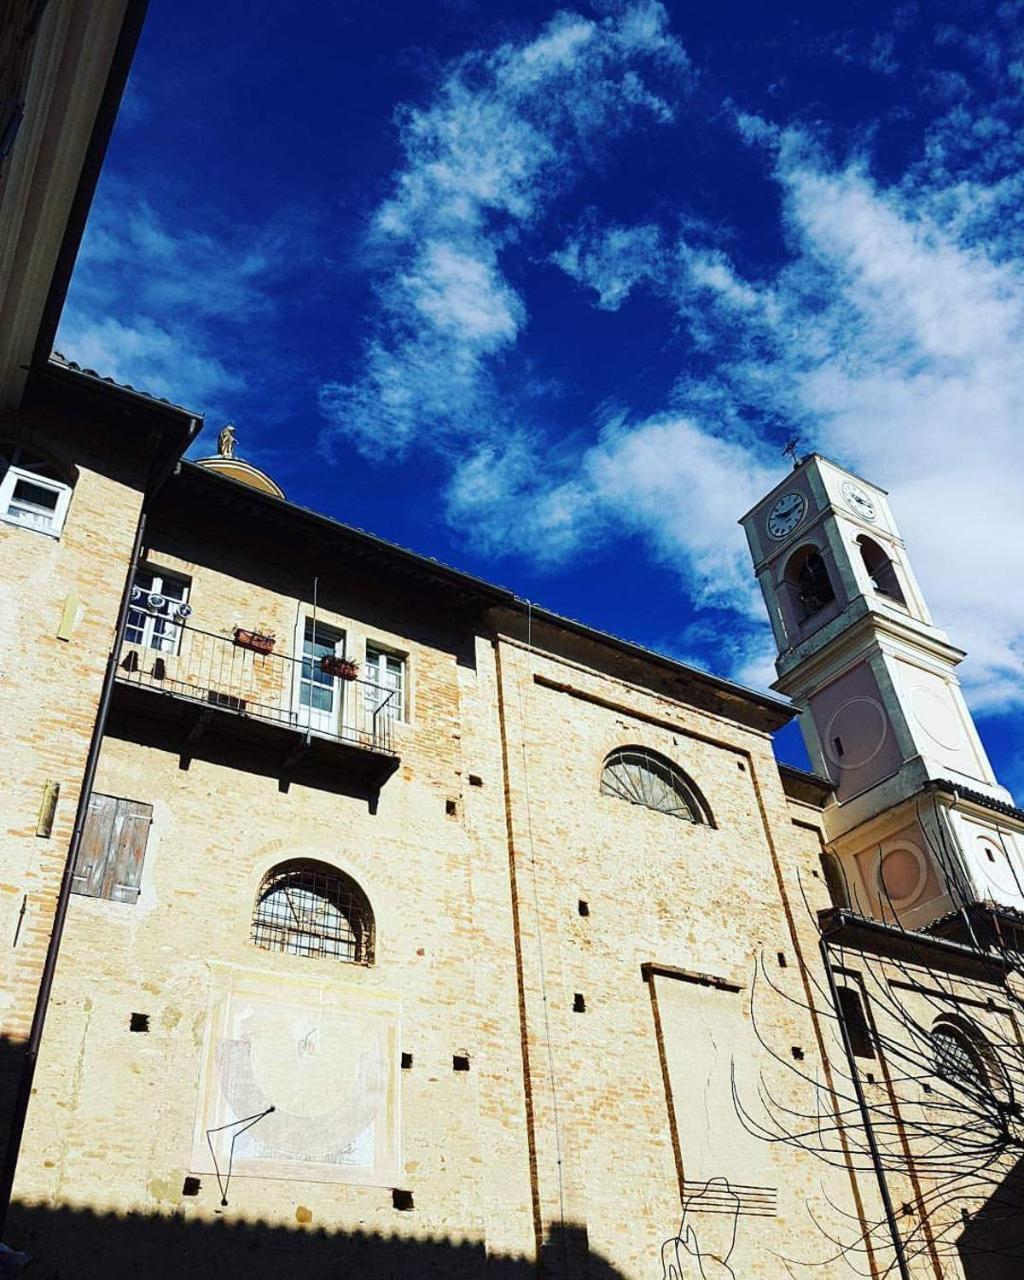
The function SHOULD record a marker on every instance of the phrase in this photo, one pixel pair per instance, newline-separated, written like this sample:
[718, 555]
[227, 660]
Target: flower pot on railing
[257, 641]
[343, 668]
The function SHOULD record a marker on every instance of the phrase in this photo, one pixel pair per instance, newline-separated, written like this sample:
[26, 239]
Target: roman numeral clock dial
[785, 515]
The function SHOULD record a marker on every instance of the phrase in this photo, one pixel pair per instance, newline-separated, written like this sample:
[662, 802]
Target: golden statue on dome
[226, 441]
[227, 462]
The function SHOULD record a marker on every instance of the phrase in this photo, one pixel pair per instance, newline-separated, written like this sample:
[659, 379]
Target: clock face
[858, 501]
[786, 515]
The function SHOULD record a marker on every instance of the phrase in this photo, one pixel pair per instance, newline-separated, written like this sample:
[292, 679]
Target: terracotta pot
[255, 640]
[343, 668]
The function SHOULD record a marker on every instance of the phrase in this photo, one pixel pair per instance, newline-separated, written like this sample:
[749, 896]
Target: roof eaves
[844, 927]
[779, 708]
[798, 784]
[769, 702]
[59, 366]
[478, 586]
[977, 797]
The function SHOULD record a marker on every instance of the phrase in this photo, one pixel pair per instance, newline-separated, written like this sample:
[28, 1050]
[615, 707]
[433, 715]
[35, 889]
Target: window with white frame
[33, 490]
[384, 690]
[158, 607]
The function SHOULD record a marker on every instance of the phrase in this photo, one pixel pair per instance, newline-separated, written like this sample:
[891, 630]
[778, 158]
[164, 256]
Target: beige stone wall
[705, 900]
[574, 1130]
[439, 888]
[58, 607]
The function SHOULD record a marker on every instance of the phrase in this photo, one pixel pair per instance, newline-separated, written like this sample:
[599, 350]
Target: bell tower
[918, 822]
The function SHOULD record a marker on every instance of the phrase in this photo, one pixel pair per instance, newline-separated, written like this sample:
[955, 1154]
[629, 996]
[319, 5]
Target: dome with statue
[228, 463]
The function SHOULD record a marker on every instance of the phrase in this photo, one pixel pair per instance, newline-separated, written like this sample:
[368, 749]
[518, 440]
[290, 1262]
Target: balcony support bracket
[199, 727]
[297, 752]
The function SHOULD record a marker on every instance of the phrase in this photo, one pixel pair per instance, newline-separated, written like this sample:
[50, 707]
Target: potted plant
[259, 641]
[332, 664]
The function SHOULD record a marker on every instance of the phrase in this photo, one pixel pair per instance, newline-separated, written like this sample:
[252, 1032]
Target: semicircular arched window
[312, 909]
[964, 1058]
[881, 570]
[646, 778]
[808, 577]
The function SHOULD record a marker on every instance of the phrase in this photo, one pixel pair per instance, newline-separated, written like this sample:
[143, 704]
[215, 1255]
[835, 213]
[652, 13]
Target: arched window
[34, 492]
[311, 909]
[807, 574]
[644, 777]
[963, 1057]
[881, 570]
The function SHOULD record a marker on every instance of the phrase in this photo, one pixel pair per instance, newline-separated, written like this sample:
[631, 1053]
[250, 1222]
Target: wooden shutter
[97, 835]
[113, 848]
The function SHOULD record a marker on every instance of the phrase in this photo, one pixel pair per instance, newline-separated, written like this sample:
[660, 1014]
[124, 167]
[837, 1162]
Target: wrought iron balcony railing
[305, 694]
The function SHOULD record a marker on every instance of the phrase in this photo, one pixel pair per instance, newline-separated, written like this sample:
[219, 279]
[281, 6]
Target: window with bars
[643, 777]
[963, 1058]
[158, 607]
[311, 909]
[33, 490]
[385, 687]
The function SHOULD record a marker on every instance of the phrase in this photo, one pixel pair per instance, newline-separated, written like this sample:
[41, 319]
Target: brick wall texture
[576, 1134]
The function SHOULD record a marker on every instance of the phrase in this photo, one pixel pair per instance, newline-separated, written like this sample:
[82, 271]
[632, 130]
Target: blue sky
[543, 291]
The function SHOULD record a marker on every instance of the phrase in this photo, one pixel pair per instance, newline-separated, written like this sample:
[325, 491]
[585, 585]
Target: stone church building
[361, 916]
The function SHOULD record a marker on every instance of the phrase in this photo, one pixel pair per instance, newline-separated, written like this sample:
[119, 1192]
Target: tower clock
[916, 803]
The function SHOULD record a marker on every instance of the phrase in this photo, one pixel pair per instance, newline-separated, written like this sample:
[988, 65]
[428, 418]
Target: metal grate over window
[957, 1060]
[643, 777]
[309, 909]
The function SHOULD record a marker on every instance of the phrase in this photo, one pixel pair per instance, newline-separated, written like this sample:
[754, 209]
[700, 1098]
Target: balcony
[213, 686]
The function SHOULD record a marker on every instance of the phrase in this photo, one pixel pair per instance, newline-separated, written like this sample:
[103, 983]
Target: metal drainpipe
[876, 1159]
[28, 1068]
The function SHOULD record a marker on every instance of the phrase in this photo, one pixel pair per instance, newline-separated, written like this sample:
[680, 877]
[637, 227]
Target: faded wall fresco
[313, 1066]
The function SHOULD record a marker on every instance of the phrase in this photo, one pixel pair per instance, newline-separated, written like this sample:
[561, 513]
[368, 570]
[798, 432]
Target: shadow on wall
[991, 1244]
[69, 1243]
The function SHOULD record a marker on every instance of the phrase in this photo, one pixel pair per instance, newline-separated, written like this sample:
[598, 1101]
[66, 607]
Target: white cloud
[505, 133]
[132, 251]
[891, 339]
[463, 296]
[142, 354]
[680, 485]
[898, 349]
[666, 479]
[614, 262]
[156, 303]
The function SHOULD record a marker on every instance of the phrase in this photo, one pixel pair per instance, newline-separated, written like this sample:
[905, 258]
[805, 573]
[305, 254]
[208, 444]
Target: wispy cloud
[507, 131]
[155, 303]
[892, 338]
[896, 345]
[141, 353]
